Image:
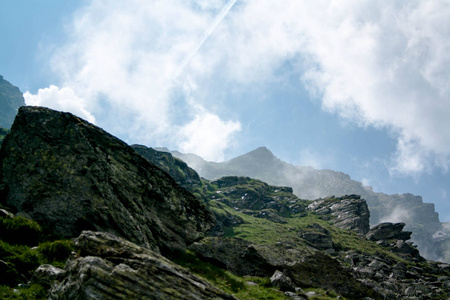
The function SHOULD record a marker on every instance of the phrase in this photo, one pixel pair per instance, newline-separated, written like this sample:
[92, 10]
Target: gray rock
[45, 275]
[387, 231]
[349, 212]
[236, 255]
[110, 267]
[71, 176]
[282, 282]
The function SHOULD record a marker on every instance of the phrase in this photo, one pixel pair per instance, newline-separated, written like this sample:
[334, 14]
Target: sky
[358, 86]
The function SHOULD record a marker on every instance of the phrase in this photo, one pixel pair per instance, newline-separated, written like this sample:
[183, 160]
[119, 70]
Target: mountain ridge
[309, 183]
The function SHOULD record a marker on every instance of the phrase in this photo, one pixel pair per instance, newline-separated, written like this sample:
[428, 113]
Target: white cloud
[208, 136]
[376, 63]
[63, 99]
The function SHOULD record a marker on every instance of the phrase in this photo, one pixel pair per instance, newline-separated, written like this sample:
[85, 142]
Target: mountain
[85, 216]
[310, 183]
[10, 100]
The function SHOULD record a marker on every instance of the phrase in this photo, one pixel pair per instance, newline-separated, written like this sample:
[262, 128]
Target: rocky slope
[10, 100]
[110, 267]
[309, 183]
[71, 176]
[80, 182]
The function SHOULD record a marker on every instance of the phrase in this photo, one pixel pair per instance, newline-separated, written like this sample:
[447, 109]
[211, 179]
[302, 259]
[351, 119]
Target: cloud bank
[381, 64]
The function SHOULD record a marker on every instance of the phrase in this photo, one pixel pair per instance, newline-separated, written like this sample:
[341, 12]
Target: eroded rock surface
[70, 176]
[349, 212]
[109, 267]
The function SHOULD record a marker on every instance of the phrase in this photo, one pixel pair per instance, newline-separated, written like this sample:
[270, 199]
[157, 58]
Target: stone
[281, 281]
[70, 176]
[236, 255]
[45, 275]
[386, 231]
[109, 267]
[349, 212]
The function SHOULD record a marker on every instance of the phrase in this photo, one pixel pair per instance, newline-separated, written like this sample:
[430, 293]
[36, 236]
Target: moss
[56, 252]
[19, 262]
[34, 291]
[20, 230]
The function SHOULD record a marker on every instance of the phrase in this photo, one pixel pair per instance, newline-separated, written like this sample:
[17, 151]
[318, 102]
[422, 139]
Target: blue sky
[361, 87]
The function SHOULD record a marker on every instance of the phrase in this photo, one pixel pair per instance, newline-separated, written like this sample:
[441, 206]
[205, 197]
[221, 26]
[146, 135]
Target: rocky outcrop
[108, 267]
[236, 255]
[388, 231]
[10, 100]
[348, 212]
[309, 183]
[251, 194]
[177, 169]
[316, 270]
[70, 176]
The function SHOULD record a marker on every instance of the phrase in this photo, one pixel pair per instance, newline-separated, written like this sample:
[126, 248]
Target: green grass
[229, 282]
[265, 232]
[35, 291]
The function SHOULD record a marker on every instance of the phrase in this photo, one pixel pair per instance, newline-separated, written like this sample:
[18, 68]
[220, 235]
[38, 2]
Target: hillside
[85, 216]
[309, 183]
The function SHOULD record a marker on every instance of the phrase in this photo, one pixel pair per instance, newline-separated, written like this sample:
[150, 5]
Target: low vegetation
[21, 254]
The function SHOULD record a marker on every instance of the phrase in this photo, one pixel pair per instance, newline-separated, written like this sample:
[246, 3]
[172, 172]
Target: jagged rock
[69, 176]
[349, 212]
[247, 193]
[332, 276]
[309, 183]
[387, 231]
[281, 281]
[109, 267]
[177, 169]
[10, 100]
[45, 275]
[318, 240]
[236, 255]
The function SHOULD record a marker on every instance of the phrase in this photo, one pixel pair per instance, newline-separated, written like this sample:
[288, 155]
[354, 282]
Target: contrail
[207, 34]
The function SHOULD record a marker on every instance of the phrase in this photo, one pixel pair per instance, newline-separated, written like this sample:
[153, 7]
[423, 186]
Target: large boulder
[348, 212]
[70, 176]
[108, 267]
[388, 231]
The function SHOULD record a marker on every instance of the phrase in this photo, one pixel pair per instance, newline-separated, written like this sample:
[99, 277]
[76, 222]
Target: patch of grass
[20, 230]
[18, 263]
[229, 282]
[35, 291]
[56, 252]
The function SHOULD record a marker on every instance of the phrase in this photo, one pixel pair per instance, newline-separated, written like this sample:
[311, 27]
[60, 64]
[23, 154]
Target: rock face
[349, 212]
[316, 270]
[109, 267]
[71, 176]
[309, 183]
[10, 100]
[177, 169]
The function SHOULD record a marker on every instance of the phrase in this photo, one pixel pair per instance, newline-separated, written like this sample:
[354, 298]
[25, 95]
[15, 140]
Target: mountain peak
[261, 153]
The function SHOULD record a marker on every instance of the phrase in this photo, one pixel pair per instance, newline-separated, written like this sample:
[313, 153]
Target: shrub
[56, 252]
[20, 230]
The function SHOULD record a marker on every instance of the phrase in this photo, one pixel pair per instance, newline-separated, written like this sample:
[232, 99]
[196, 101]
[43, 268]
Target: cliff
[10, 100]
